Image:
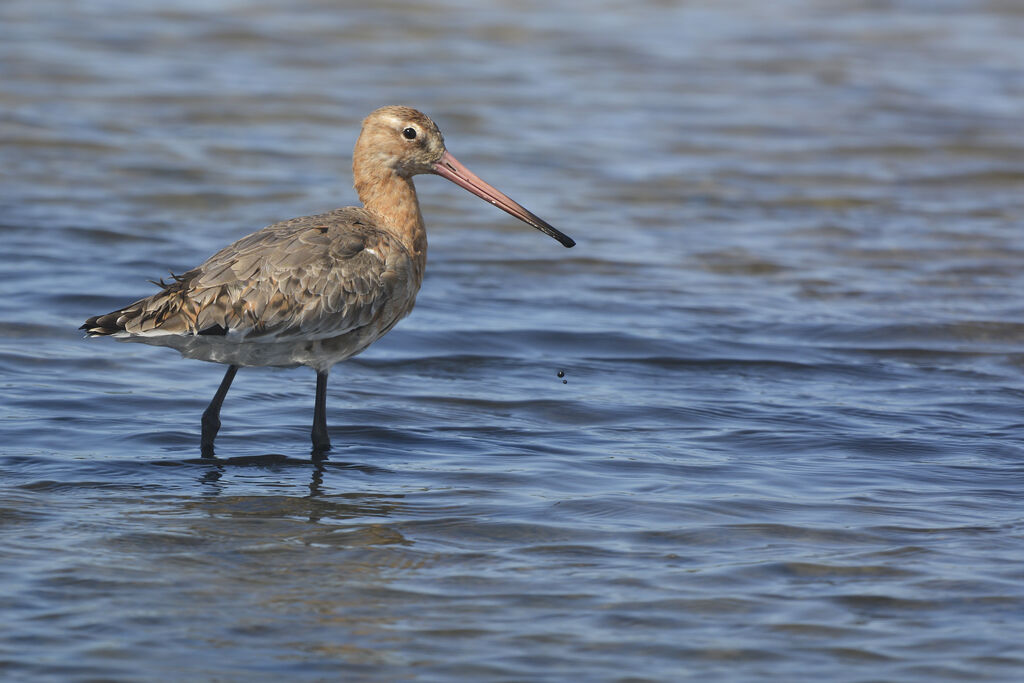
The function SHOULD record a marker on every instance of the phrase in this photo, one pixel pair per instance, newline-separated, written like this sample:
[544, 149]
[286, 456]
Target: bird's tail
[127, 319]
[104, 325]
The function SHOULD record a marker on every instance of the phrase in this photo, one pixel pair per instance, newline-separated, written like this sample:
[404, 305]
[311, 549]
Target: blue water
[788, 444]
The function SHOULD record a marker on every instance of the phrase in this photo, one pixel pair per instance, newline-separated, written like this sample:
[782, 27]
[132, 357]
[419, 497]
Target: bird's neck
[392, 197]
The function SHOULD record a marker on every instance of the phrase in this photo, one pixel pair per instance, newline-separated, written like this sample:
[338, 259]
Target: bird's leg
[321, 441]
[211, 416]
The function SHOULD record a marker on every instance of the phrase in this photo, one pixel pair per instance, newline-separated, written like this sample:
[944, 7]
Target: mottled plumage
[313, 290]
[308, 291]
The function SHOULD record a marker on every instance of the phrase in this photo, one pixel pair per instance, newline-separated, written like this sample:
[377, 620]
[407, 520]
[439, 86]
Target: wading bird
[313, 290]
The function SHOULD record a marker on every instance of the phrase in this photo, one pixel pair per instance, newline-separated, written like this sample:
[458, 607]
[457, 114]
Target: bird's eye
[409, 133]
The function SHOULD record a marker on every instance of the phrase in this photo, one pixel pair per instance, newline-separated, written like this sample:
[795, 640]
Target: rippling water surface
[788, 445]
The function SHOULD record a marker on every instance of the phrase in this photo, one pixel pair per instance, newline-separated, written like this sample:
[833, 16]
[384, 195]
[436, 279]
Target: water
[788, 444]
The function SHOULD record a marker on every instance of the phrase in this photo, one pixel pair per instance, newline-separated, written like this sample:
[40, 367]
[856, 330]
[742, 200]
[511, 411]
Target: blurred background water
[789, 442]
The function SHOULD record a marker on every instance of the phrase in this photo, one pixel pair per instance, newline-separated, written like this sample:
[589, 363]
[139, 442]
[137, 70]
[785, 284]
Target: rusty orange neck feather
[392, 198]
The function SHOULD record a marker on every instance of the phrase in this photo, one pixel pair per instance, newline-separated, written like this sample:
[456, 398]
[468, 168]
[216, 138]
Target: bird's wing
[309, 278]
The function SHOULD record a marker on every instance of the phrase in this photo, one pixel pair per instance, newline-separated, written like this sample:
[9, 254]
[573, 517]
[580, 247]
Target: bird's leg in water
[211, 416]
[321, 441]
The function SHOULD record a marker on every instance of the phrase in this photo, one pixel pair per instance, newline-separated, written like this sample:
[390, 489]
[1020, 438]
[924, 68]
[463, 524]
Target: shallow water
[788, 444]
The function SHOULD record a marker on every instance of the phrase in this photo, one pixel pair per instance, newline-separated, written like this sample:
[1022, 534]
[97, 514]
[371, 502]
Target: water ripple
[786, 439]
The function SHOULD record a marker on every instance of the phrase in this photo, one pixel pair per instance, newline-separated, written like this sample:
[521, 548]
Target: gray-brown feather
[308, 278]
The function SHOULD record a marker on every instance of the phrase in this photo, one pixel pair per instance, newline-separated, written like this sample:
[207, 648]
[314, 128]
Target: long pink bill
[449, 167]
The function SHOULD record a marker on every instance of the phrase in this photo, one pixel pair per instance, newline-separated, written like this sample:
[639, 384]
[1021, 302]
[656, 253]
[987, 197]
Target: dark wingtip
[101, 325]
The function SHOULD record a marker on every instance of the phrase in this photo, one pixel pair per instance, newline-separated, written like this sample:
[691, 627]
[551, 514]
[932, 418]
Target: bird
[315, 290]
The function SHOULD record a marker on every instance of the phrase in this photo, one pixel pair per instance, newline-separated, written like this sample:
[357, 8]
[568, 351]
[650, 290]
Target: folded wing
[308, 278]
